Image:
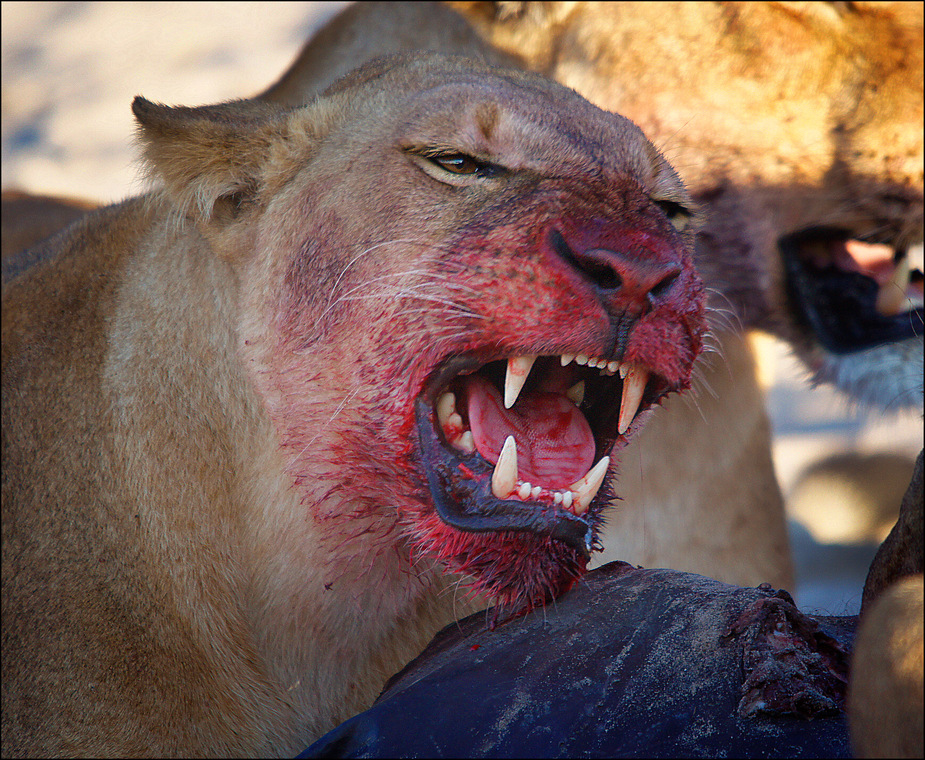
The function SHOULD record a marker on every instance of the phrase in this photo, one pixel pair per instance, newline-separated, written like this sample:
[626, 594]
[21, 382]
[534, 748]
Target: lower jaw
[516, 571]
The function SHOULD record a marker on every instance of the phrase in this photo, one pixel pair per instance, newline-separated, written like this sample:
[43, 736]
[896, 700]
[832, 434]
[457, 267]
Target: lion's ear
[212, 158]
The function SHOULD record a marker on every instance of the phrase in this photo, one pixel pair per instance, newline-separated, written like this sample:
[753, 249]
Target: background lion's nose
[636, 277]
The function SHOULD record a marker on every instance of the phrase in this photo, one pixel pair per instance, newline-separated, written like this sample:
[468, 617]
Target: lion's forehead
[529, 124]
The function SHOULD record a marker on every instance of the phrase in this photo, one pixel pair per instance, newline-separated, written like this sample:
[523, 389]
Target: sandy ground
[71, 69]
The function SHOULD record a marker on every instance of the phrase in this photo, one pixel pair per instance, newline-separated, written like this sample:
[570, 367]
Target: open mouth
[851, 294]
[525, 443]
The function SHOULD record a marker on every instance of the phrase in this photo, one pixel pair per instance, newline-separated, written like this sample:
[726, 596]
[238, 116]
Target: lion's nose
[635, 277]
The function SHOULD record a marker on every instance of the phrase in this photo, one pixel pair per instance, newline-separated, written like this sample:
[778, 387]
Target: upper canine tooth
[504, 478]
[518, 368]
[634, 384]
[586, 488]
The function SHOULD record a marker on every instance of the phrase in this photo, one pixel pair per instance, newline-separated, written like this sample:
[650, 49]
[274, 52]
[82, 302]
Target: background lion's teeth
[581, 359]
[587, 487]
[892, 298]
[634, 384]
[518, 368]
[504, 478]
[566, 359]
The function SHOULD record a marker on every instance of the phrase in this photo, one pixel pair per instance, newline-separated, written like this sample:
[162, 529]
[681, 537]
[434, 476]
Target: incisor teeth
[504, 478]
[517, 370]
[634, 384]
[587, 487]
[466, 442]
[524, 491]
[892, 298]
[577, 393]
[446, 405]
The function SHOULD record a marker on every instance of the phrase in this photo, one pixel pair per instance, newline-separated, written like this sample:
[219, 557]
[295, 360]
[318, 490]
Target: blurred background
[71, 69]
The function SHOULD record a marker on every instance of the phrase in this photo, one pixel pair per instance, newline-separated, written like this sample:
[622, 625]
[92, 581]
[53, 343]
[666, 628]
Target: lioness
[262, 423]
[717, 510]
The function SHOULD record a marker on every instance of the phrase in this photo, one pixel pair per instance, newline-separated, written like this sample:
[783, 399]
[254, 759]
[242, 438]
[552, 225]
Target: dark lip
[460, 483]
[835, 306]
[461, 490]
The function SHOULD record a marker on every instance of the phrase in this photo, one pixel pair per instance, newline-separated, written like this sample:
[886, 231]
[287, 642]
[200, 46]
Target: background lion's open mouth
[850, 294]
[525, 443]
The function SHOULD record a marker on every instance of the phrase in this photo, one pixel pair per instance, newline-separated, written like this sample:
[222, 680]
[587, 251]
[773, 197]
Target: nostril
[601, 273]
[637, 276]
[663, 285]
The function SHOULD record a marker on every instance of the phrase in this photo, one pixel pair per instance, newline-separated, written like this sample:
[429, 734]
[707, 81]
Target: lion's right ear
[209, 154]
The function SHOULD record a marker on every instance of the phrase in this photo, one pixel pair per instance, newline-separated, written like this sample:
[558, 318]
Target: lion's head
[461, 303]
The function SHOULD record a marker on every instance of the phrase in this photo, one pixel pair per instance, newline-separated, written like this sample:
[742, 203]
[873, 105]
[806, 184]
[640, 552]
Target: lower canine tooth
[587, 487]
[634, 385]
[504, 478]
[517, 370]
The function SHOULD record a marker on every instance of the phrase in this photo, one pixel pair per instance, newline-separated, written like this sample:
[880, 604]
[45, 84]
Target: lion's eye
[460, 163]
[679, 216]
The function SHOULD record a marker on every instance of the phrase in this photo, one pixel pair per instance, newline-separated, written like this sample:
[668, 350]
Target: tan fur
[186, 571]
[885, 694]
[29, 219]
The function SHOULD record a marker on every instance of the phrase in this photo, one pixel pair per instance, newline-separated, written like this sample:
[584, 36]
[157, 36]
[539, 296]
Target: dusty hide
[631, 663]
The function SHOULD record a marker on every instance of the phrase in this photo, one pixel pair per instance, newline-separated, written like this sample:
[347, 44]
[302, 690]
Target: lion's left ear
[211, 158]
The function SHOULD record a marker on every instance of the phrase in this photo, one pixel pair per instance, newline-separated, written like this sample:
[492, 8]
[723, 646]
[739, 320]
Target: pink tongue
[555, 446]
